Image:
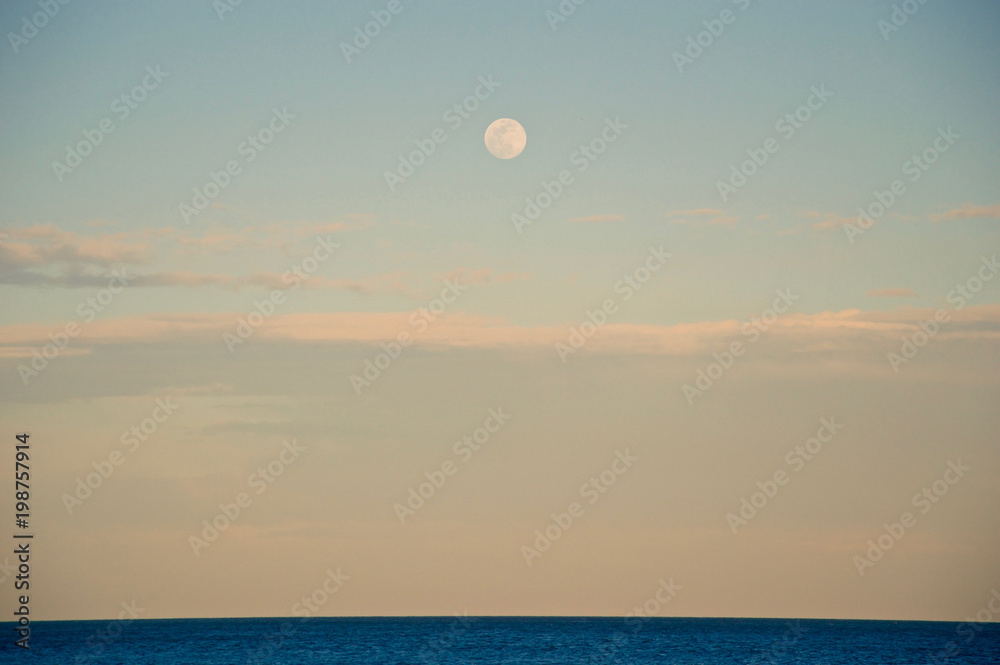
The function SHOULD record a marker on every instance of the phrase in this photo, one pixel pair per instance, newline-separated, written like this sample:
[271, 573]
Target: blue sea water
[497, 640]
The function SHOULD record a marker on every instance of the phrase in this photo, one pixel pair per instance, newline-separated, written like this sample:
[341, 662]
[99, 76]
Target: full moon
[505, 138]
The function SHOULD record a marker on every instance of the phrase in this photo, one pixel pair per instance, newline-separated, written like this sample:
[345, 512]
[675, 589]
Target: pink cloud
[718, 217]
[847, 330]
[829, 221]
[45, 244]
[969, 211]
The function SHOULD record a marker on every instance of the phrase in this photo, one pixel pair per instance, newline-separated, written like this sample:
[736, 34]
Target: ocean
[503, 640]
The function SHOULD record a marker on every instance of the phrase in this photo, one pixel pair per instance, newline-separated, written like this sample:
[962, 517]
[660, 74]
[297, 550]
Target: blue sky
[685, 130]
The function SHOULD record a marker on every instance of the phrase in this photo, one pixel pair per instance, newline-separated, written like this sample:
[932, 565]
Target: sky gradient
[645, 312]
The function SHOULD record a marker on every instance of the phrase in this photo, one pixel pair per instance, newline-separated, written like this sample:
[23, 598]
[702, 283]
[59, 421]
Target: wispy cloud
[46, 245]
[397, 282]
[969, 211]
[827, 221]
[385, 283]
[284, 235]
[43, 255]
[844, 331]
[702, 216]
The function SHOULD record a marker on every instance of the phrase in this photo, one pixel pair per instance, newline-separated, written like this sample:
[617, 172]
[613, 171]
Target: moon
[505, 138]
